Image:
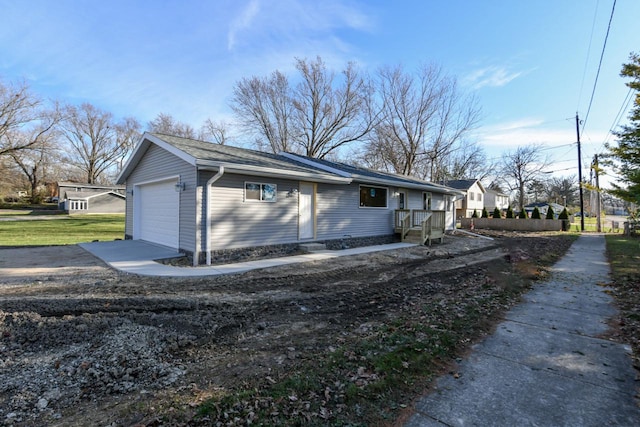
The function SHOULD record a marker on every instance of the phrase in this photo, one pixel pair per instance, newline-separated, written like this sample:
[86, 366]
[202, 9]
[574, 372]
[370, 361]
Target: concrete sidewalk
[138, 257]
[546, 365]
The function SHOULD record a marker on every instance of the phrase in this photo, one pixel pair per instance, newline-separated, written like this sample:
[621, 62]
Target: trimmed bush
[564, 214]
[497, 213]
[536, 213]
[523, 214]
[550, 213]
[485, 214]
[509, 212]
[475, 214]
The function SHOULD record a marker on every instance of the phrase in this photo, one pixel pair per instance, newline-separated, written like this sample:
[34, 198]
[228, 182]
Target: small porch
[419, 225]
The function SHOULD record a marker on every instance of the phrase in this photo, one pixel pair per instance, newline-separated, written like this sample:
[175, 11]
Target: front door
[402, 200]
[306, 211]
[426, 201]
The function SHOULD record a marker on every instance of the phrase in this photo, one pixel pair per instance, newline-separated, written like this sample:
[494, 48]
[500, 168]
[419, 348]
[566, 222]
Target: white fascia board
[315, 164]
[142, 146]
[277, 173]
[98, 194]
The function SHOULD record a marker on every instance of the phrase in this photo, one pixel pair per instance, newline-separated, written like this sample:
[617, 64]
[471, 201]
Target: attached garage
[157, 212]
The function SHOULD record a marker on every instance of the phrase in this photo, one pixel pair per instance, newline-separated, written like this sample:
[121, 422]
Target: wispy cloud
[493, 76]
[292, 23]
[524, 131]
[242, 22]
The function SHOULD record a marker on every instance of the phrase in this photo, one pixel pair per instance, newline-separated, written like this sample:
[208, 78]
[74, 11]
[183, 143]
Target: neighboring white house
[473, 196]
[216, 201]
[496, 199]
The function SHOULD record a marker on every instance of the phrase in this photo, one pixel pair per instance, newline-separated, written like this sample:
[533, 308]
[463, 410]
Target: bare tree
[321, 114]
[21, 110]
[563, 190]
[33, 163]
[95, 145]
[127, 134]
[521, 166]
[423, 120]
[329, 115]
[215, 131]
[165, 123]
[468, 159]
[264, 109]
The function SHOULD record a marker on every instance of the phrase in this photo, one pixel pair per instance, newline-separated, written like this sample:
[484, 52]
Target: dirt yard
[81, 344]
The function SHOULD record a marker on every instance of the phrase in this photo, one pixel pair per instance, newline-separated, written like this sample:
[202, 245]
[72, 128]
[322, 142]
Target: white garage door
[158, 215]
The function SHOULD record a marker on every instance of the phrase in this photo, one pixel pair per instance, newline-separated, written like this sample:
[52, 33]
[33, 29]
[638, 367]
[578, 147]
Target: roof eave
[410, 185]
[271, 172]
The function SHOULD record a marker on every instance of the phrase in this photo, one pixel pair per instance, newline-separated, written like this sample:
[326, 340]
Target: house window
[479, 197]
[260, 192]
[471, 195]
[373, 197]
[77, 205]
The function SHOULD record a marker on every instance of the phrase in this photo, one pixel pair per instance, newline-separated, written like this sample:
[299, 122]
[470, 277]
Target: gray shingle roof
[242, 160]
[459, 184]
[362, 174]
[211, 152]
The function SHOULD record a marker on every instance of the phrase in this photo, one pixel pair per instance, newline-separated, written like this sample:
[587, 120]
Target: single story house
[473, 196]
[543, 207]
[214, 201]
[78, 198]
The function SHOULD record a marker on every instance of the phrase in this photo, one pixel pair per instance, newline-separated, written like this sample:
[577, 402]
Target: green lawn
[624, 256]
[63, 230]
[590, 224]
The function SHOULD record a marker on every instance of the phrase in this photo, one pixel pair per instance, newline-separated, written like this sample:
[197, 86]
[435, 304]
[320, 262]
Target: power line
[595, 83]
[586, 62]
[616, 121]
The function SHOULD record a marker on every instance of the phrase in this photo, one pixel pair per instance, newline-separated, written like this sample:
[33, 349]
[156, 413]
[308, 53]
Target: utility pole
[596, 169]
[580, 174]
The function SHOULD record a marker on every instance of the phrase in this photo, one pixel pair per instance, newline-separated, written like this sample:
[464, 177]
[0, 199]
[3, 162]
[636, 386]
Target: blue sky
[532, 64]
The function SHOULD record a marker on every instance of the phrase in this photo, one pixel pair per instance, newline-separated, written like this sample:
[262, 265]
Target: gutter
[210, 182]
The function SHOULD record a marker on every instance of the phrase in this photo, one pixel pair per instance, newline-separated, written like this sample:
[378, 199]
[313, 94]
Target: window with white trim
[471, 195]
[259, 192]
[479, 197]
[373, 197]
[78, 205]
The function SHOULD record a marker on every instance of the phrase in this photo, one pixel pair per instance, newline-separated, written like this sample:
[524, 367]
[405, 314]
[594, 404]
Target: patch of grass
[624, 256]
[63, 230]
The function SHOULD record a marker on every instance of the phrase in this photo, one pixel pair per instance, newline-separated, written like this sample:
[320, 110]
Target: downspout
[210, 182]
[454, 199]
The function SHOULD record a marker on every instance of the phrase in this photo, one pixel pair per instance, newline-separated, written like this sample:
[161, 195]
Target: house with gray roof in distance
[80, 198]
[543, 208]
[473, 196]
[217, 203]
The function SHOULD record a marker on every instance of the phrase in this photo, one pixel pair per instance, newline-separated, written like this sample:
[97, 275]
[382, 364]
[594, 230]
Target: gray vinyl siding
[236, 223]
[106, 203]
[156, 164]
[339, 213]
